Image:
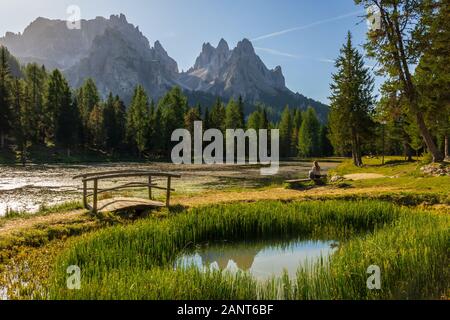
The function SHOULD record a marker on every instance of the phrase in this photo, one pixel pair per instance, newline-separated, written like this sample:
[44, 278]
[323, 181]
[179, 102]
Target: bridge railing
[96, 177]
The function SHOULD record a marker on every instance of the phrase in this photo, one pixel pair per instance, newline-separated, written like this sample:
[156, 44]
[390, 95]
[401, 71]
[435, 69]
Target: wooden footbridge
[152, 178]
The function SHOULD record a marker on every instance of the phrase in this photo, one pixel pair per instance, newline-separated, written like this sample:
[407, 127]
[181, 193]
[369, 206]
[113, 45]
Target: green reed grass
[136, 261]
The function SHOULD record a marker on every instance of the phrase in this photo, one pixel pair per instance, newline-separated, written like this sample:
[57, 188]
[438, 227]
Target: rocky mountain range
[118, 56]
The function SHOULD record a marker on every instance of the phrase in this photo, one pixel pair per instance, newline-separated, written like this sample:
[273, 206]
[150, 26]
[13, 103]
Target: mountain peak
[119, 18]
[207, 47]
[158, 46]
[245, 46]
[223, 46]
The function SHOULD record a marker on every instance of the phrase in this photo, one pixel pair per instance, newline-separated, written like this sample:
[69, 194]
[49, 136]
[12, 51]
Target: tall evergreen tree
[87, 97]
[96, 127]
[206, 120]
[190, 118]
[233, 116]
[296, 125]
[255, 120]
[56, 98]
[114, 117]
[173, 107]
[217, 116]
[23, 124]
[297, 121]
[5, 96]
[325, 146]
[241, 108]
[308, 138]
[68, 123]
[157, 130]
[285, 132]
[138, 120]
[352, 102]
[36, 77]
[264, 124]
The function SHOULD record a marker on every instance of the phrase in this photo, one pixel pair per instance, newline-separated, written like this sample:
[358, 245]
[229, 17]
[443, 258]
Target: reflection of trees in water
[243, 254]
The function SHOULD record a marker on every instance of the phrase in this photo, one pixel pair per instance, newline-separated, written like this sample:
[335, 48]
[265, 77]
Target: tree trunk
[407, 150]
[446, 156]
[2, 140]
[396, 38]
[356, 151]
[432, 148]
[23, 156]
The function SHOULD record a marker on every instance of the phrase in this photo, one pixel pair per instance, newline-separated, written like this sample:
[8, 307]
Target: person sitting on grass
[315, 173]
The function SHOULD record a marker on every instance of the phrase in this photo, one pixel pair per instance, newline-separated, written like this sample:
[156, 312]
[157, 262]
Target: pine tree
[190, 118]
[36, 77]
[23, 125]
[173, 106]
[56, 98]
[68, 123]
[297, 121]
[264, 119]
[138, 120]
[87, 97]
[206, 120]
[308, 138]
[326, 149]
[114, 116]
[293, 148]
[217, 116]
[296, 124]
[285, 132]
[351, 101]
[96, 127]
[5, 96]
[157, 131]
[233, 116]
[241, 108]
[120, 112]
[255, 120]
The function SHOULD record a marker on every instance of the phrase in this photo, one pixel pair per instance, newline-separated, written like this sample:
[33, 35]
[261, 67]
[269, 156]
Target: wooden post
[85, 205]
[169, 180]
[150, 187]
[94, 206]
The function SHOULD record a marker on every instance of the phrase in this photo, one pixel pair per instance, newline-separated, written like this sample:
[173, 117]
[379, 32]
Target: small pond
[262, 259]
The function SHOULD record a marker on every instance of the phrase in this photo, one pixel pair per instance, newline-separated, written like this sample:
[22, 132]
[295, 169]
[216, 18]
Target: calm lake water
[263, 260]
[27, 189]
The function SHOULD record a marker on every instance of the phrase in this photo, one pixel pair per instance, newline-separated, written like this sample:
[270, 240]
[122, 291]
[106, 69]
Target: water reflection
[26, 189]
[262, 260]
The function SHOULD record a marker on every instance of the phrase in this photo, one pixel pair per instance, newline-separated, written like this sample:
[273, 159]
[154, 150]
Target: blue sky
[302, 36]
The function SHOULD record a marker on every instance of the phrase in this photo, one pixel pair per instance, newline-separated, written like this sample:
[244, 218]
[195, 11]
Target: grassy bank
[135, 262]
[399, 178]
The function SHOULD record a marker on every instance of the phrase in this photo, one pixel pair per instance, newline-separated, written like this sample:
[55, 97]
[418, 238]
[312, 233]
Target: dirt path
[15, 225]
[363, 176]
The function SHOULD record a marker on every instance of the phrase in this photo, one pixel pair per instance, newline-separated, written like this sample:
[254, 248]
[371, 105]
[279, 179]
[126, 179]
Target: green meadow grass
[136, 261]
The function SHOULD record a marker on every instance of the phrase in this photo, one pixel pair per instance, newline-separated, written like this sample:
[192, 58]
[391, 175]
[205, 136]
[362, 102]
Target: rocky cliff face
[239, 72]
[111, 51]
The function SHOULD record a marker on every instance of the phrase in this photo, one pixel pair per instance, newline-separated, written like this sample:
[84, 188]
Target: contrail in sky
[294, 56]
[279, 33]
[279, 53]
